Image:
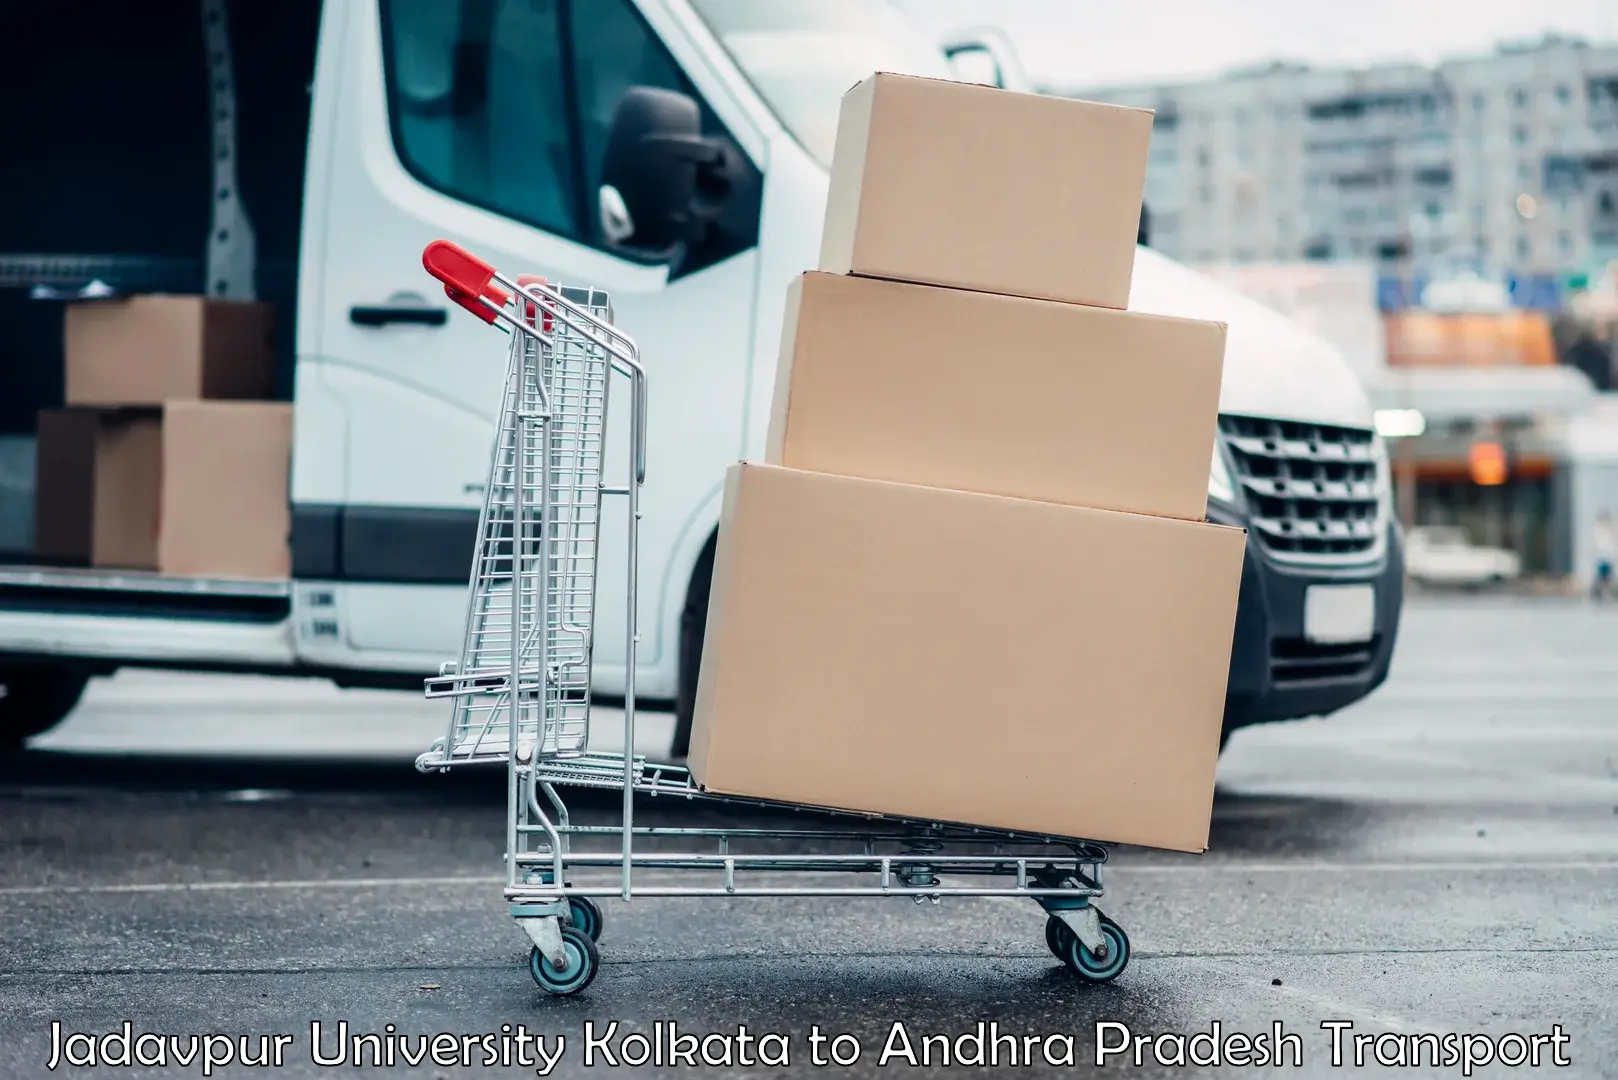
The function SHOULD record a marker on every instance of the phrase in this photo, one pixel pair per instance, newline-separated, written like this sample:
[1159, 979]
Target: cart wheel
[1086, 965]
[1056, 933]
[582, 962]
[585, 914]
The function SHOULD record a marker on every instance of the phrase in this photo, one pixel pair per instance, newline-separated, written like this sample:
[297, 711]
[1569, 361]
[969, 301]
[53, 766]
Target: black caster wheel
[585, 914]
[1091, 968]
[582, 963]
[1056, 934]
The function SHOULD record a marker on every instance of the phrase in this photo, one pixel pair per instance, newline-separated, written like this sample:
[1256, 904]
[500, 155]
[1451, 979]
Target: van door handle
[386, 314]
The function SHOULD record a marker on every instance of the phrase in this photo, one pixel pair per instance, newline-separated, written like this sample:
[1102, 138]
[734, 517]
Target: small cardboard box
[945, 655]
[193, 489]
[970, 186]
[997, 394]
[148, 350]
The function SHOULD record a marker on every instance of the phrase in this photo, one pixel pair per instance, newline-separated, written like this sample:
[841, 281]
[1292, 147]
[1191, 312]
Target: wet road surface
[1441, 859]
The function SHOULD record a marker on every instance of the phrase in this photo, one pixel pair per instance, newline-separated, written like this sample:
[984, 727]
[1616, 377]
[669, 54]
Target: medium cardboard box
[194, 489]
[952, 656]
[148, 350]
[971, 186]
[97, 478]
[996, 394]
[226, 509]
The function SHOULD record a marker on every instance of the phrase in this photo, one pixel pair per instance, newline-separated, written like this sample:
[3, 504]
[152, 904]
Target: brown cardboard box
[952, 656]
[147, 350]
[225, 508]
[95, 488]
[971, 186]
[64, 485]
[196, 489]
[996, 394]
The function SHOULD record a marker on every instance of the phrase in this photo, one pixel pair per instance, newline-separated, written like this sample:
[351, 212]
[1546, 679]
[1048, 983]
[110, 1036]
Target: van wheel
[35, 698]
[693, 625]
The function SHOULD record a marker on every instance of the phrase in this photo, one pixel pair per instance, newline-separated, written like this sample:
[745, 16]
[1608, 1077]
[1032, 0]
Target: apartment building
[1506, 162]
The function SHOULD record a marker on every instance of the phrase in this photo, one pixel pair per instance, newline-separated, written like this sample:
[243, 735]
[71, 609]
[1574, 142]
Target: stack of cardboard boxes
[168, 456]
[972, 581]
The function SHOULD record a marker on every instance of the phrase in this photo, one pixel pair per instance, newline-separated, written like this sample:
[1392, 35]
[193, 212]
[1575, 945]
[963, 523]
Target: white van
[341, 137]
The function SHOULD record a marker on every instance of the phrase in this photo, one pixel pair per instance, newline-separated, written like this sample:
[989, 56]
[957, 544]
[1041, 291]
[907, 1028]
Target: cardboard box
[226, 509]
[971, 186]
[97, 477]
[195, 489]
[148, 350]
[996, 394]
[951, 656]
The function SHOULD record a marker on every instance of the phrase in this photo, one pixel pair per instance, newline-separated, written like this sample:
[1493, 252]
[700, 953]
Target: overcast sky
[1077, 43]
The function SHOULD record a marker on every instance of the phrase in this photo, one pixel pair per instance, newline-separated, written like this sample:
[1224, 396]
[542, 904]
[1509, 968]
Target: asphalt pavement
[239, 857]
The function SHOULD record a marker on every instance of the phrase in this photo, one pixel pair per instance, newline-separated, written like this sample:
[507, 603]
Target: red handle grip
[528, 307]
[468, 280]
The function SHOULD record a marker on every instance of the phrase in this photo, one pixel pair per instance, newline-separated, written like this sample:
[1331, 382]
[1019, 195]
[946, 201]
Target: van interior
[108, 177]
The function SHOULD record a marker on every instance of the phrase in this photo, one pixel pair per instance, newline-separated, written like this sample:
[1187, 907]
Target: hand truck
[521, 689]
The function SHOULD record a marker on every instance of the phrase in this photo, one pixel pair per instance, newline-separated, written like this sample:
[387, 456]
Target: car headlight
[1220, 487]
[1384, 474]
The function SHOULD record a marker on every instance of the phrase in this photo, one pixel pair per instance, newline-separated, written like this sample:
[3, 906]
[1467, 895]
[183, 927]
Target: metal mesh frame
[546, 475]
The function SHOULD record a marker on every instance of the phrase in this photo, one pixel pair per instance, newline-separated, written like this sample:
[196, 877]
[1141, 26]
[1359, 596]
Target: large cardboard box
[971, 186]
[97, 478]
[953, 656]
[194, 489]
[148, 350]
[1002, 395]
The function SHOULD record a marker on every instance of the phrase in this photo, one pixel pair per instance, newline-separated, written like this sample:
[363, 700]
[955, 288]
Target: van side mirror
[974, 62]
[984, 54]
[663, 183]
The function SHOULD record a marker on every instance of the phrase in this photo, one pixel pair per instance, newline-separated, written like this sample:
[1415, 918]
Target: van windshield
[802, 55]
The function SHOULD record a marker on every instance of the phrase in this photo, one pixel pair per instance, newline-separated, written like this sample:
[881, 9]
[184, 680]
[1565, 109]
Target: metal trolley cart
[520, 690]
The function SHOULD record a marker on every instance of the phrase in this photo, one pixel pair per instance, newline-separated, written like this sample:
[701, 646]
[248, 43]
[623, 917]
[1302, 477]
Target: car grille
[1294, 660]
[1310, 489]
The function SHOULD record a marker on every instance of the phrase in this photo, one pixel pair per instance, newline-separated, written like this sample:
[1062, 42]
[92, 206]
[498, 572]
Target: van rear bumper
[107, 642]
[1276, 673]
[103, 619]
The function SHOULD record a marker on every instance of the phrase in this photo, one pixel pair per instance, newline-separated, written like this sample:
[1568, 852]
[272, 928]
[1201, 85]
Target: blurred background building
[1454, 229]
[1508, 160]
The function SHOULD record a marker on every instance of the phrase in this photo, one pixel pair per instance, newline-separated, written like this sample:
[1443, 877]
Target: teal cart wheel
[585, 914]
[582, 963]
[1091, 968]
